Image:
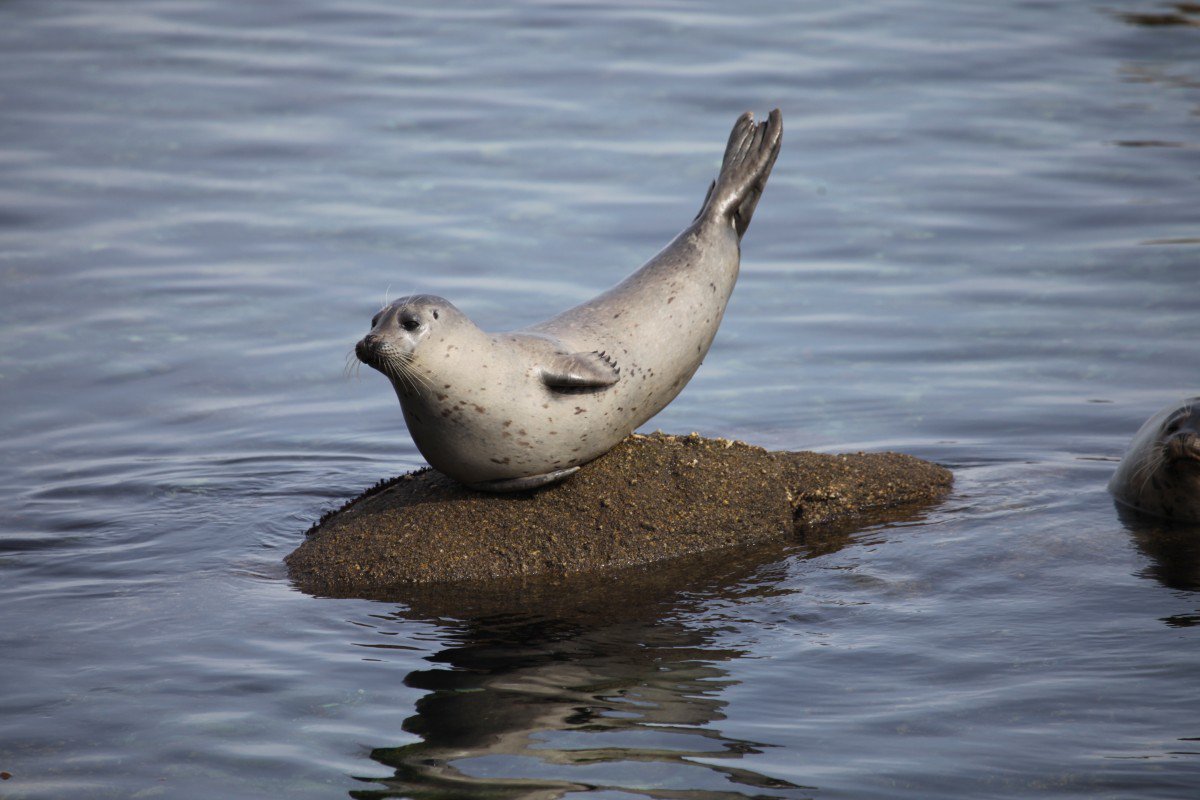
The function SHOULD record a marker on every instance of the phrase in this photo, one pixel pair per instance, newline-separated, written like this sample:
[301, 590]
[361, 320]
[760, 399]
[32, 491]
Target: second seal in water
[1160, 473]
[509, 411]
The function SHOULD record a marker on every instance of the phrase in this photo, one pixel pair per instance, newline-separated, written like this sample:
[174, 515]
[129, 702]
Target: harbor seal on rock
[1160, 473]
[517, 410]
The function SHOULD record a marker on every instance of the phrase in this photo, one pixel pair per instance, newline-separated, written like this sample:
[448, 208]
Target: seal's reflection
[583, 685]
[1173, 549]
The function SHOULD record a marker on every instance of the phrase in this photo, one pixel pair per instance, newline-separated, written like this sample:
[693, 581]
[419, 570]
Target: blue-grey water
[980, 245]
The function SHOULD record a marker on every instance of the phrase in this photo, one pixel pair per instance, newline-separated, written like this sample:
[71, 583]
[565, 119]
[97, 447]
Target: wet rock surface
[651, 498]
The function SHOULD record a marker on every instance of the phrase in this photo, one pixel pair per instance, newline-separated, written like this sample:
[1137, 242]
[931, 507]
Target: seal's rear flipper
[522, 484]
[580, 371]
[749, 156]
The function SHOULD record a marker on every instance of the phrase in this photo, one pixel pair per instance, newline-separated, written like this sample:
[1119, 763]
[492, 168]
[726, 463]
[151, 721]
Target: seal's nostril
[364, 347]
[1183, 445]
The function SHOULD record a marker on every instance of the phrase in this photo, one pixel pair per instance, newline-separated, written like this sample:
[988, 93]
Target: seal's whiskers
[352, 365]
[1145, 471]
[399, 368]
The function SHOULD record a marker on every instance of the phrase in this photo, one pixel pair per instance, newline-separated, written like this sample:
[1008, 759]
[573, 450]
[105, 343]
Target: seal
[1160, 473]
[518, 410]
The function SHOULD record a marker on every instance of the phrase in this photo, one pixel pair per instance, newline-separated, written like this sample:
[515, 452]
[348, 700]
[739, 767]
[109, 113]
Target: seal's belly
[657, 325]
[531, 431]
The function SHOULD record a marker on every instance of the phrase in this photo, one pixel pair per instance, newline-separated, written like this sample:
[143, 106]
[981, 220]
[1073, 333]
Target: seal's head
[1161, 472]
[402, 330]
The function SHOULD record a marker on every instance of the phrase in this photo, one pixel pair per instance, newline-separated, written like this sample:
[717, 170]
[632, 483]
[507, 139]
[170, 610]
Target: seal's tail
[749, 156]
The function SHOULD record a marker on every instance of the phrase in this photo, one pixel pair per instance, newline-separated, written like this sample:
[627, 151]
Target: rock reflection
[554, 688]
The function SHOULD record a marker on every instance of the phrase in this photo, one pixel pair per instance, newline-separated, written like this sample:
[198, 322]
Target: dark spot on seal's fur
[480, 408]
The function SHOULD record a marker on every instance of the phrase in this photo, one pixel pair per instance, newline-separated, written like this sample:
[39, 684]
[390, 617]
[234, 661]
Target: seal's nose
[1184, 444]
[366, 347]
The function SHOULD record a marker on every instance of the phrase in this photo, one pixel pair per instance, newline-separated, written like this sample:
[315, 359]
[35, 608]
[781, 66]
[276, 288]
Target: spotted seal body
[508, 411]
[1160, 473]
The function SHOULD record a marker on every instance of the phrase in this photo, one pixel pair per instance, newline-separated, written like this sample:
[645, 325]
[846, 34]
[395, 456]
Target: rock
[651, 498]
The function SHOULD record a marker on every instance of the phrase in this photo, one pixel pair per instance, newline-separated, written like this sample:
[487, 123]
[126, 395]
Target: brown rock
[650, 498]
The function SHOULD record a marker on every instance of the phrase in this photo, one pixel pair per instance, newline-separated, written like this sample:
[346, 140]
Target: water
[979, 246]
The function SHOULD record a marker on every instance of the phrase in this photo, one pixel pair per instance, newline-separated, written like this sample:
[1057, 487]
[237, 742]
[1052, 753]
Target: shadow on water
[560, 685]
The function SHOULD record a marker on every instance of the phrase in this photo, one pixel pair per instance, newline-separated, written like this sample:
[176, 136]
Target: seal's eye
[410, 324]
[375, 320]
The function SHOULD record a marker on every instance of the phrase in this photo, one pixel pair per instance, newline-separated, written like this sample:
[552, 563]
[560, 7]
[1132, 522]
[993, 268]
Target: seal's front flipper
[580, 371]
[521, 484]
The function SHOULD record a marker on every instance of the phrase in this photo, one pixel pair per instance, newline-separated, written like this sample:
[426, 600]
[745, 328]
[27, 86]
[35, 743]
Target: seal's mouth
[378, 353]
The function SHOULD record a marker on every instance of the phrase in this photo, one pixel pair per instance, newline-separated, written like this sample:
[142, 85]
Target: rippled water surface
[980, 245]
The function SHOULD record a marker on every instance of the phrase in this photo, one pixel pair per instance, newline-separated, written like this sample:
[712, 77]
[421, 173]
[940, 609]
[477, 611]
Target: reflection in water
[1174, 552]
[1172, 547]
[602, 682]
[1181, 14]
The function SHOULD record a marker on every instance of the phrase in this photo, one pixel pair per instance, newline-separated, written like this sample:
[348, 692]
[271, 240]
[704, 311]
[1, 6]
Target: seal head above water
[1160, 473]
[516, 410]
